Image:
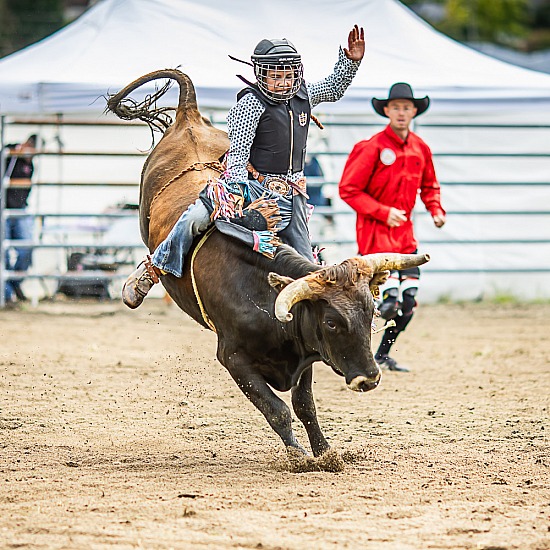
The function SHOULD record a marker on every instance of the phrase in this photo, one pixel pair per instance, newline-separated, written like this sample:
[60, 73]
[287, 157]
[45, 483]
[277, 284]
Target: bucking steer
[273, 317]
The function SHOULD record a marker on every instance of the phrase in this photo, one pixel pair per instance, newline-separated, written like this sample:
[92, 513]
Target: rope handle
[198, 166]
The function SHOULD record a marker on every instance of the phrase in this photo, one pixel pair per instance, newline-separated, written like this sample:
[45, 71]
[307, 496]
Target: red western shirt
[382, 172]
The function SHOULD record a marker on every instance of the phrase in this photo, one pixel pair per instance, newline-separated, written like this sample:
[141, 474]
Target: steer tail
[158, 118]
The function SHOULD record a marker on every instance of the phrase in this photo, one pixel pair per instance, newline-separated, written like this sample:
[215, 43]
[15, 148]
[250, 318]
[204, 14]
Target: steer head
[341, 299]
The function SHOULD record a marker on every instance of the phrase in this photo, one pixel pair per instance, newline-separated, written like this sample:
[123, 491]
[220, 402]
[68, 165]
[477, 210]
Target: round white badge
[387, 157]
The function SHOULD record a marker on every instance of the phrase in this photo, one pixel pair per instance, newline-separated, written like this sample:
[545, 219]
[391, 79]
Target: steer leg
[304, 407]
[274, 409]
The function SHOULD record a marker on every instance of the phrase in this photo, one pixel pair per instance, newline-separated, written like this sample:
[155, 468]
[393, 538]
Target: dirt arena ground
[119, 429]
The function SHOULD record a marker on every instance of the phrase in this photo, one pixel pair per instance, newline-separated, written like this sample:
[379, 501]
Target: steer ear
[377, 280]
[278, 282]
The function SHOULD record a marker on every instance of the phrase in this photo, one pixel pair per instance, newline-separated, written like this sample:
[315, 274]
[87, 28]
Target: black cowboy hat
[401, 90]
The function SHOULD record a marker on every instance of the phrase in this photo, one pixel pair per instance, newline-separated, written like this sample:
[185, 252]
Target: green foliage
[501, 21]
[523, 24]
[23, 22]
[504, 298]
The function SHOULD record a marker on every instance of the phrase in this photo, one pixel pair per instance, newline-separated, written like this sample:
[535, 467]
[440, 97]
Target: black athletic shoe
[19, 293]
[386, 362]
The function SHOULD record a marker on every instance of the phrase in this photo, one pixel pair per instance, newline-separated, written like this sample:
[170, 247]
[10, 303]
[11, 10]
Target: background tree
[540, 36]
[23, 22]
[520, 24]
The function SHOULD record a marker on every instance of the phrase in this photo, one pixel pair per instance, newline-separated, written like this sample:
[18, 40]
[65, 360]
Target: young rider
[267, 130]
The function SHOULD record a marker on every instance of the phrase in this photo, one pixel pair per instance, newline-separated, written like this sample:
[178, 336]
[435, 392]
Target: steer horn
[383, 261]
[302, 289]
[294, 292]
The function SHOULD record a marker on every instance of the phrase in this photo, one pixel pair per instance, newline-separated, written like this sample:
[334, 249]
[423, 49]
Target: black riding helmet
[277, 54]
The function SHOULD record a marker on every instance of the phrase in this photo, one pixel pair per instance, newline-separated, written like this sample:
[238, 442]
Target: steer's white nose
[362, 383]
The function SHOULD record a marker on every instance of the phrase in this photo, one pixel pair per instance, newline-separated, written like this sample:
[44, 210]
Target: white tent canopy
[486, 123]
[117, 41]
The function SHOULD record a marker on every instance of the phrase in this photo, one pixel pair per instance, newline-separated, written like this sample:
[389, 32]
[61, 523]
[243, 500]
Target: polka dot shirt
[244, 116]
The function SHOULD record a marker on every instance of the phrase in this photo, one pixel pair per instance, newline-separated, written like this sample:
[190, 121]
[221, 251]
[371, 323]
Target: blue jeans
[294, 229]
[296, 233]
[18, 229]
[170, 253]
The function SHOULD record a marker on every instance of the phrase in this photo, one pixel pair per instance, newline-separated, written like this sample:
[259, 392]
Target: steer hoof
[297, 462]
[331, 461]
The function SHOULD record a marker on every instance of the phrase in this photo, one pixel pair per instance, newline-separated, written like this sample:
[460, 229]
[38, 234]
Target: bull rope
[207, 319]
[215, 165]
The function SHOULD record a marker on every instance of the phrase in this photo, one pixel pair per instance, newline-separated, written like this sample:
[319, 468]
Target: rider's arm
[332, 87]
[242, 121]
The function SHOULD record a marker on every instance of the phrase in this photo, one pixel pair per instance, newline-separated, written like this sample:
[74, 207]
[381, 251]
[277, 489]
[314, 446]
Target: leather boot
[139, 283]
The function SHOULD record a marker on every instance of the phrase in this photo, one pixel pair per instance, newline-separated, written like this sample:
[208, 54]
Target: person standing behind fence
[19, 168]
[380, 181]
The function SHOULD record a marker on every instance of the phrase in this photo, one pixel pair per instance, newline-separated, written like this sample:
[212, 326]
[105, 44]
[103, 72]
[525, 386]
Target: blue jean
[18, 229]
[296, 233]
[170, 254]
[293, 229]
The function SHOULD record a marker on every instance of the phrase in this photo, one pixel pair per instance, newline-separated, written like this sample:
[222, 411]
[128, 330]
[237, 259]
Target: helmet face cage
[269, 71]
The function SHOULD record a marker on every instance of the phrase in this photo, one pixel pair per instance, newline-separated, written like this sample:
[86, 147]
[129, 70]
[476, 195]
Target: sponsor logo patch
[387, 157]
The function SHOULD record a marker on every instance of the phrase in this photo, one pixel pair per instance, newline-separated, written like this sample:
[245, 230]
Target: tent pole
[2, 214]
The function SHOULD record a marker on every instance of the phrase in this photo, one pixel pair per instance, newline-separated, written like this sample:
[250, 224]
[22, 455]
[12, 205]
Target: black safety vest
[281, 137]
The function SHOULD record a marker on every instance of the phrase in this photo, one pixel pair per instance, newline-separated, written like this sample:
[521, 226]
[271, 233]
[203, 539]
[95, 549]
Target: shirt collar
[394, 137]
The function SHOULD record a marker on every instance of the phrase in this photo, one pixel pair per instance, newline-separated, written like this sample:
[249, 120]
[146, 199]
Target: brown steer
[273, 317]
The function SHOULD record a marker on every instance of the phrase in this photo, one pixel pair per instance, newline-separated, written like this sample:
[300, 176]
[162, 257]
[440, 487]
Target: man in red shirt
[381, 181]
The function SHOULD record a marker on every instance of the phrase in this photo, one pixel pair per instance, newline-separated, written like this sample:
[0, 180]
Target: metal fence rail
[320, 212]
